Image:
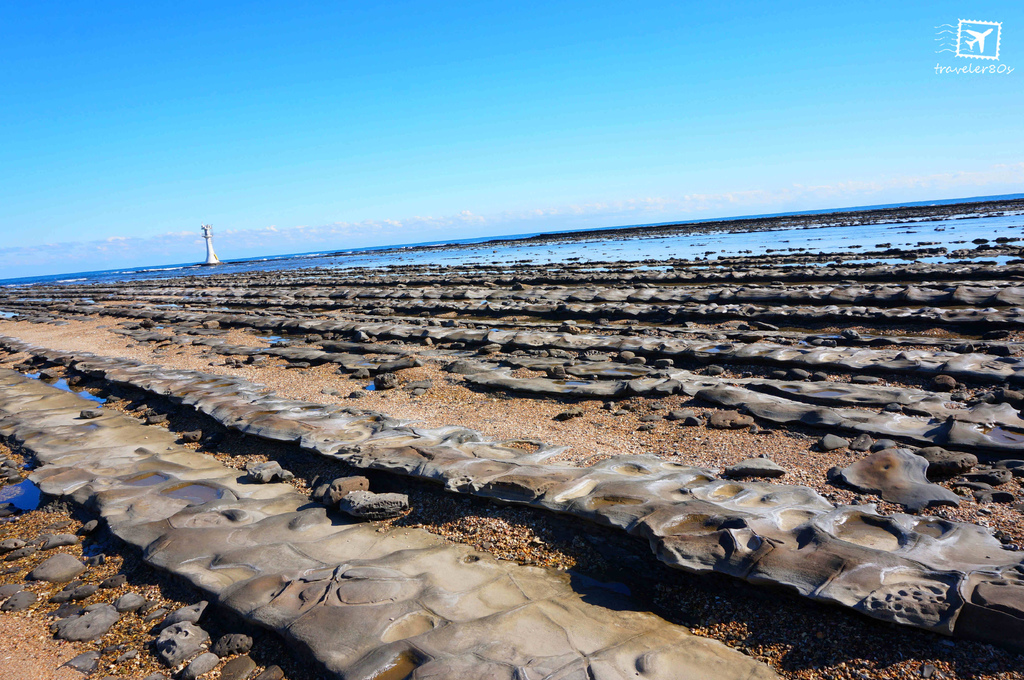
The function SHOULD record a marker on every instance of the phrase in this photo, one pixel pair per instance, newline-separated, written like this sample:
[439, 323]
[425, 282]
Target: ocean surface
[956, 233]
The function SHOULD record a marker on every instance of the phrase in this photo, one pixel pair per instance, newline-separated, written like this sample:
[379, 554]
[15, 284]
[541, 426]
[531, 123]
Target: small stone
[385, 381]
[271, 673]
[202, 664]
[66, 610]
[82, 592]
[156, 419]
[192, 437]
[60, 568]
[343, 486]
[239, 668]
[155, 614]
[755, 467]
[89, 527]
[270, 471]
[87, 662]
[714, 370]
[831, 442]
[90, 413]
[127, 656]
[115, 581]
[374, 506]
[190, 614]
[569, 415]
[179, 642]
[729, 420]
[10, 589]
[58, 541]
[231, 644]
[129, 602]
[862, 443]
[943, 383]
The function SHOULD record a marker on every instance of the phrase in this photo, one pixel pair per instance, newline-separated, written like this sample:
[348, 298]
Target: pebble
[202, 664]
[60, 568]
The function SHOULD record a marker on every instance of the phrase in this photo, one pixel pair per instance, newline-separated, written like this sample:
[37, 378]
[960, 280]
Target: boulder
[898, 476]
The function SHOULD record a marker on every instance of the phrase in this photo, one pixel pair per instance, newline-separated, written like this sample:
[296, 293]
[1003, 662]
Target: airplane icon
[979, 39]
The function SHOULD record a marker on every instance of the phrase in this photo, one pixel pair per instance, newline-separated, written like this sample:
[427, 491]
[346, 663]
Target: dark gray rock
[367, 505]
[92, 623]
[66, 610]
[60, 568]
[385, 381]
[190, 614]
[115, 581]
[86, 662]
[202, 664]
[89, 528]
[831, 442]
[82, 592]
[90, 413]
[58, 541]
[943, 383]
[569, 414]
[179, 642]
[231, 644]
[10, 589]
[129, 602]
[19, 601]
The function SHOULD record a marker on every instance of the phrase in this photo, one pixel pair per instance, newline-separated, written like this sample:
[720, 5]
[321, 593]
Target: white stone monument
[211, 257]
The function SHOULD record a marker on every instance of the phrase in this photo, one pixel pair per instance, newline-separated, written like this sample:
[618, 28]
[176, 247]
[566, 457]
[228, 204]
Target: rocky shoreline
[865, 453]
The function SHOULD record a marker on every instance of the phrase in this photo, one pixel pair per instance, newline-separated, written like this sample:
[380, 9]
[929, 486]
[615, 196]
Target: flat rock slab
[900, 477]
[362, 601]
[718, 526]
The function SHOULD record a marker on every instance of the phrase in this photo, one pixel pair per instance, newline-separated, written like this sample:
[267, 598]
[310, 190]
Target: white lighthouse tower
[211, 257]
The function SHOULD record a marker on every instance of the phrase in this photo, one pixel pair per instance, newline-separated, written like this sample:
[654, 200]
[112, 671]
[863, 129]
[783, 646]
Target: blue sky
[309, 126]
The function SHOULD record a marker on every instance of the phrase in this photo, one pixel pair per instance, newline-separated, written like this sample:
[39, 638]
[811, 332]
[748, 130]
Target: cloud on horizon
[186, 246]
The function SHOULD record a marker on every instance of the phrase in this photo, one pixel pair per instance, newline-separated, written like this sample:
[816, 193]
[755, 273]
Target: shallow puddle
[23, 495]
